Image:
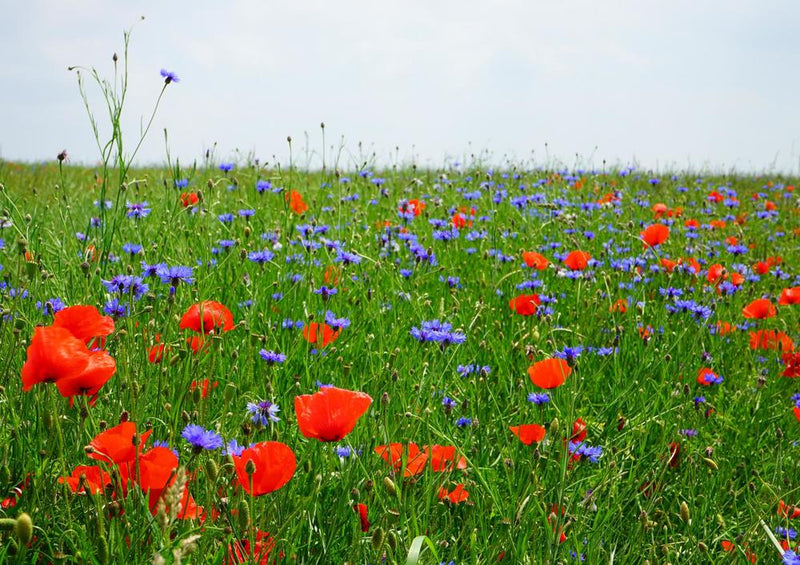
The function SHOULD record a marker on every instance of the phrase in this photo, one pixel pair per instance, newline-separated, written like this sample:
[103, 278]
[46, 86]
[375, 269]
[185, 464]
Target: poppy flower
[524, 305]
[692, 262]
[207, 316]
[719, 224]
[456, 496]
[295, 200]
[620, 305]
[156, 353]
[100, 368]
[792, 362]
[668, 264]
[415, 459]
[691, 223]
[240, 552]
[674, 460]
[331, 413]
[274, 463]
[707, 377]
[156, 467]
[89, 478]
[579, 430]
[654, 235]
[189, 199]
[790, 296]
[659, 210]
[361, 508]
[549, 373]
[53, 354]
[414, 206]
[716, 272]
[443, 458]
[528, 433]
[771, 339]
[116, 445]
[84, 322]
[759, 309]
[577, 260]
[787, 511]
[796, 411]
[317, 334]
[724, 328]
[535, 260]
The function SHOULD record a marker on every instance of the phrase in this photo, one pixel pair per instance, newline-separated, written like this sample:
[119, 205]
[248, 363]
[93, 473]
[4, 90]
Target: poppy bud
[48, 420]
[554, 426]
[244, 514]
[685, 512]
[720, 521]
[391, 539]
[197, 395]
[22, 245]
[710, 463]
[212, 470]
[23, 528]
[377, 538]
[390, 486]
[385, 398]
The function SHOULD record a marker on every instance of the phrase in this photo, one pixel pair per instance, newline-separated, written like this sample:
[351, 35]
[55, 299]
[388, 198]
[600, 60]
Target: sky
[665, 86]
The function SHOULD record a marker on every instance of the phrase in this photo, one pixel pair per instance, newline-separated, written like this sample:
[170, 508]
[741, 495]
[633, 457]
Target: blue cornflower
[132, 248]
[325, 292]
[115, 308]
[127, 284]
[272, 357]
[169, 76]
[174, 275]
[688, 432]
[347, 258]
[791, 558]
[263, 186]
[226, 167]
[448, 403]
[140, 210]
[334, 322]
[181, 183]
[225, 218]
[51, 306]
[233, 448]
[464, 422]
[263, 412]
[261, 257]
[539, 398]
[786, 533]
[343, 451]
[200, 438]
[586, 451]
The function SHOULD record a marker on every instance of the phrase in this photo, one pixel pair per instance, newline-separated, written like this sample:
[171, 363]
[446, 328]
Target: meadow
[242, 362]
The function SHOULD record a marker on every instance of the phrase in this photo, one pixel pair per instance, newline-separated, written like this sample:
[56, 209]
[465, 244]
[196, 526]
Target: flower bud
[23, 528]
[685, 512]
[390, 486]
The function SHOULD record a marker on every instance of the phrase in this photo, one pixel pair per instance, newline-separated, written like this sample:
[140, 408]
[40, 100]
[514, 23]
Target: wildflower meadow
[237, 361]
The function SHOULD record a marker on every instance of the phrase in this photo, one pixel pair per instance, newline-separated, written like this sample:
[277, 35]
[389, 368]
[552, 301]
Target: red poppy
[361, 508]
[456, 496]
[761, 268]
[295, 200]
[659, 210]
[205, 317]
[654, 235]
[53, 354]
[535, 260]
[84, 322]
[792, 362]
[759, 309]
[719, 224]
[203, 385]
[415, 459]
[415, 206]
[116, 445]
[332, 274]
[716, 272]
[724, 328]
[771, 339]
[524, 305]
[315, 333]
[674, 460]
[577, 260]
[443, 458]
[331, 413]
[787, 511]
[529, 433]
[691, 223]
[668, 264]
[620, 305]
[240, 552]
[157, 467]
[579, 430]
[274, 463]
[189, 199]
[790, 296]
[549, 373]
[715, 196]
[89, 478]
[706, 376]
[796, 411]
[156, 353]
[98, 371]
[56, 355]
[692, 262]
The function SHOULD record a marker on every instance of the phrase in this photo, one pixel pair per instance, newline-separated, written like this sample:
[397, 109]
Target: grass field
[673, 437]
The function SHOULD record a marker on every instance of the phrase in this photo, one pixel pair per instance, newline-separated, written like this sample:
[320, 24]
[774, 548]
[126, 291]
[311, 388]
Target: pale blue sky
[669, 85]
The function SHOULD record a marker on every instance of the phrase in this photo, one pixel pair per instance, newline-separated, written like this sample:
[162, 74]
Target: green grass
[731, 476]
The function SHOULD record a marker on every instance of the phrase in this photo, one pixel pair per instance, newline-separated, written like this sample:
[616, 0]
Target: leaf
[415, 552]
